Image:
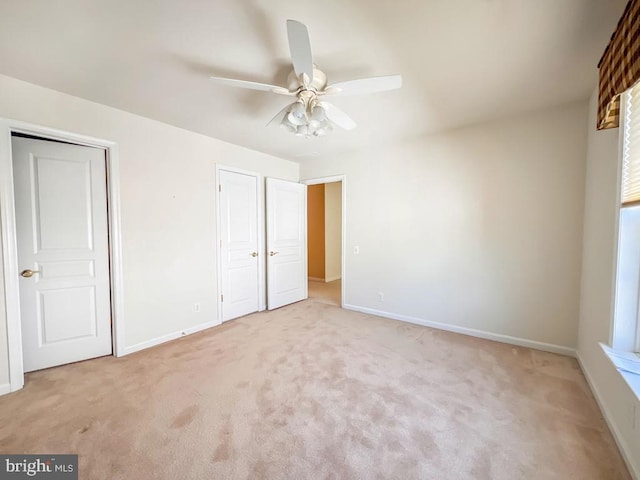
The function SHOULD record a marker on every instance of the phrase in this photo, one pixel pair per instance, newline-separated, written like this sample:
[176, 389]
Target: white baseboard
[5, 388]
[168, 337]
[331, 279]
[315, 279]
[497, 337]
[622, 446]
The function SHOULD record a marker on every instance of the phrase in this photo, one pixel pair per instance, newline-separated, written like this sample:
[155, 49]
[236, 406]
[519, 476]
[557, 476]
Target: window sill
[627, 364]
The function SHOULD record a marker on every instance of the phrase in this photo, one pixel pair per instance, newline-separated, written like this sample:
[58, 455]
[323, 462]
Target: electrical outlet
[356, 250]
[196, 308]
[381, 296]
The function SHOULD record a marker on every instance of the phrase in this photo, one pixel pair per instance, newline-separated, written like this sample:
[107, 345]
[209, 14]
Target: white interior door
[238, 201]
[63, 252]
[286, 242]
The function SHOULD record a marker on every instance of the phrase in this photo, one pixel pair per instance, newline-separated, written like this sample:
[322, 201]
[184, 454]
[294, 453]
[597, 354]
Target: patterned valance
[619, 66]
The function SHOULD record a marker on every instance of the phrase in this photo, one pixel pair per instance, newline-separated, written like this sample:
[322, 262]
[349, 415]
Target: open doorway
[324, 237]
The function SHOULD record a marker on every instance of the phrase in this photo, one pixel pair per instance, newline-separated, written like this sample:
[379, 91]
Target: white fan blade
[365, 85]
[252, 85]
[337, 116]
[300, 48]
[279, 116]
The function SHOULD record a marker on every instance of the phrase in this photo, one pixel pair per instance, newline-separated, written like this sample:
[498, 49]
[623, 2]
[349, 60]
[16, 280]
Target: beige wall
[316, 231]
[598, 273]
[333, 230]
[167, 187]
[478, 228]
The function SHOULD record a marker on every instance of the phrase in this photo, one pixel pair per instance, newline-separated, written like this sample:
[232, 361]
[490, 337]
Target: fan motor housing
[318, 83]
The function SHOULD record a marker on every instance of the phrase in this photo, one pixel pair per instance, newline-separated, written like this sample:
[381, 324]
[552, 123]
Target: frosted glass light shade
[286, 124]
[298, 114]
[318, 114]
[302, 131]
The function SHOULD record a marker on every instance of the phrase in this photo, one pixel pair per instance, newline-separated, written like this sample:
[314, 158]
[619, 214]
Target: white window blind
[631, 149]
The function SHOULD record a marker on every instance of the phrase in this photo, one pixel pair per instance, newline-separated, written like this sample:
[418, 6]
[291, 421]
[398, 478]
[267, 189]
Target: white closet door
[286, 242]
[239, 243]
[63, 252]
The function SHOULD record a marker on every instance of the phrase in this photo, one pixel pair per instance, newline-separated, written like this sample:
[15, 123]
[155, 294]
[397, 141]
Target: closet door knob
[29, 273]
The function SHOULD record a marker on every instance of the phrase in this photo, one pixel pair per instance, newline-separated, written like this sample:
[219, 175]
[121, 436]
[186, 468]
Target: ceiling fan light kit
[307, 116]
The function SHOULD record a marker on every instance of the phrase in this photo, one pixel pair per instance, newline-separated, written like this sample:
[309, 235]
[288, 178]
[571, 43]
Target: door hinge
[222, 298]
[219, 188]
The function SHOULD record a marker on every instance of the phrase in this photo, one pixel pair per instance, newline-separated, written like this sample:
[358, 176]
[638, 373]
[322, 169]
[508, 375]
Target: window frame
[625, 327]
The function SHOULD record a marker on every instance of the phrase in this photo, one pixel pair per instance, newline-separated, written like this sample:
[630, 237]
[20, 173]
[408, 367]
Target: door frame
[8, 240]
[333, 179]
[262, 298]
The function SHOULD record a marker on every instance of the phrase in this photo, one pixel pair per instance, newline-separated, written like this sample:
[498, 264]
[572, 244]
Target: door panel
[62, 235]
[62, 197]
[66, 313]
[239, 243]
[286, 242]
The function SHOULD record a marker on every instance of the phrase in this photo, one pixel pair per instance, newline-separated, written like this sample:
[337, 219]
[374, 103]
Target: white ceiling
[462, 61]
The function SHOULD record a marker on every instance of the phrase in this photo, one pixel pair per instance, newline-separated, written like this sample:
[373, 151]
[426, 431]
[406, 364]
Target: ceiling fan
[308, 115]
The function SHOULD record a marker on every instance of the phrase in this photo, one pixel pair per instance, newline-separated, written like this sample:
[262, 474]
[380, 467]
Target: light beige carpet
[326, 292]
[313, 392]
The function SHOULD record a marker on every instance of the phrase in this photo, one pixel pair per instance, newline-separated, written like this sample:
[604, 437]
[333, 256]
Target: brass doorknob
[272, 253]
[254, 254]
[28, 273]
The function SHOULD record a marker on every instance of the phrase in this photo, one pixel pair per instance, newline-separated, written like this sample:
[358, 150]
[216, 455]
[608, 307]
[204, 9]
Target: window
[625, 340]
[626, 333]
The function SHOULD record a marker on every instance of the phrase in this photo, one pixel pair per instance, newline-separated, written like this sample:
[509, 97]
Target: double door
[243, 259]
